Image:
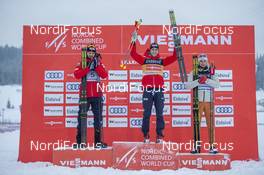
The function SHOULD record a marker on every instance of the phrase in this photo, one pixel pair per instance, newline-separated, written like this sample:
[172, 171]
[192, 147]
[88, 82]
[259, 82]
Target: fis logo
[57, 42]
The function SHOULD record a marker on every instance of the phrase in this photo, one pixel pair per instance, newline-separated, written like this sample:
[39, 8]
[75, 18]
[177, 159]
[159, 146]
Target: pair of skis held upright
[183, 76]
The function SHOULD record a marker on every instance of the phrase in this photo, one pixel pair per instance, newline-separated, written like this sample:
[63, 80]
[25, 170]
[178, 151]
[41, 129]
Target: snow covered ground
[14, 95]
[10, 142]
[10, 166]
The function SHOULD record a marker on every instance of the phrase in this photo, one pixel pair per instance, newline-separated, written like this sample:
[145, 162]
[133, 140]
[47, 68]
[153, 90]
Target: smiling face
[90, 54]
[203, 63]
[154, 51]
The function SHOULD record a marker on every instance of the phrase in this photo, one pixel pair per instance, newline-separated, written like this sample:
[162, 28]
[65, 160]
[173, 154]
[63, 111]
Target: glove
[134, 36]
[202, 79]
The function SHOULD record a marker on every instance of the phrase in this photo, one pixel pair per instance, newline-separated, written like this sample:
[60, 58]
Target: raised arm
[138, 58]
[170, 59]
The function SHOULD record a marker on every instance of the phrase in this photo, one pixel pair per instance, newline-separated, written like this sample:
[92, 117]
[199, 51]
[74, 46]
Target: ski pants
[150, 97]
[205, 108]
[96, 104]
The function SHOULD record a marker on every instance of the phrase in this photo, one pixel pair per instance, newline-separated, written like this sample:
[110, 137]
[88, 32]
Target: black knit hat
[154, 45]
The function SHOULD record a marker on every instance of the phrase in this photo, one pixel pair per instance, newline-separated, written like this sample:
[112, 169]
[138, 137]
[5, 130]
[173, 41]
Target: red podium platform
[137, 156]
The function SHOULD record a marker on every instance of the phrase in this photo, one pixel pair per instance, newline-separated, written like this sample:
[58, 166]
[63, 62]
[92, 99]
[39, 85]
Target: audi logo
[179, 87]
[136, 122]
[118, 110]
[73, 87]
[54, 75]
[224, 110]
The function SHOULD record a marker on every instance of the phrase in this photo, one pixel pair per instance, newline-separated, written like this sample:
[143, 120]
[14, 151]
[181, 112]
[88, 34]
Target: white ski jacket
[204, 90]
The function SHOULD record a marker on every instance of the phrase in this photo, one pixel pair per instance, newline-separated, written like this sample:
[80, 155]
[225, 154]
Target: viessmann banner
[50, 92]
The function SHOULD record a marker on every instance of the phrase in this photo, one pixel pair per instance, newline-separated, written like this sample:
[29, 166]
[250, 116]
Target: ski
[196, 120]
[211, 139]
[177, 45]
[137, 24]
[83, 101]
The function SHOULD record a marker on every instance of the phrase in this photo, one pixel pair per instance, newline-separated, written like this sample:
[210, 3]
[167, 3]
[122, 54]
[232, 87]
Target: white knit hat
[202, 56]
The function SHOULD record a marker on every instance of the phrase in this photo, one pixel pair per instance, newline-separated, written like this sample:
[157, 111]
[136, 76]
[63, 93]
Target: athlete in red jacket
[94, 72]
[152, 66]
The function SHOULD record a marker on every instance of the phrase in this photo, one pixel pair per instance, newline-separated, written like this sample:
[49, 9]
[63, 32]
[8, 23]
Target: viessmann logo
[200, 162]
[78, 162]
[54, 75]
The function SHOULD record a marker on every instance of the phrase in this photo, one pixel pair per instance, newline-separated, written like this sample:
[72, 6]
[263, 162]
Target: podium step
[138, 156]
[75, 158]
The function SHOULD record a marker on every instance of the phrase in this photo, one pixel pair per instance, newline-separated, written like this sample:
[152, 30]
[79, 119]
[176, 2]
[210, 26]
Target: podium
[138, 156]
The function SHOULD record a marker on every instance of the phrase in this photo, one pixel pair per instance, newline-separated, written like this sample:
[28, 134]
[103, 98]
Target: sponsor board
[72, 98]
[117, 111]
[53, 111]
[135, 98]
[117, 122]
[179, 87]
[135, 122]
[181, 121]
[224, 121]
[117, 75]
[224, 109]
[224, 97]
[72, 110]
[53, 87]
[54, 75]
[224, 74]
[53, 99]
[72, 86]
[135, 74]
[181, 98]
[181, 110]
[225, 86]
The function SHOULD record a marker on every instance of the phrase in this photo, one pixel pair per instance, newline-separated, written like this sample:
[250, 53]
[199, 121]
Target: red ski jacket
[93, 78]
[152, 67]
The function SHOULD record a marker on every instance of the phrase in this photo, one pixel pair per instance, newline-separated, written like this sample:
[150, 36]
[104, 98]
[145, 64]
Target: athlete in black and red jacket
[94, 72]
